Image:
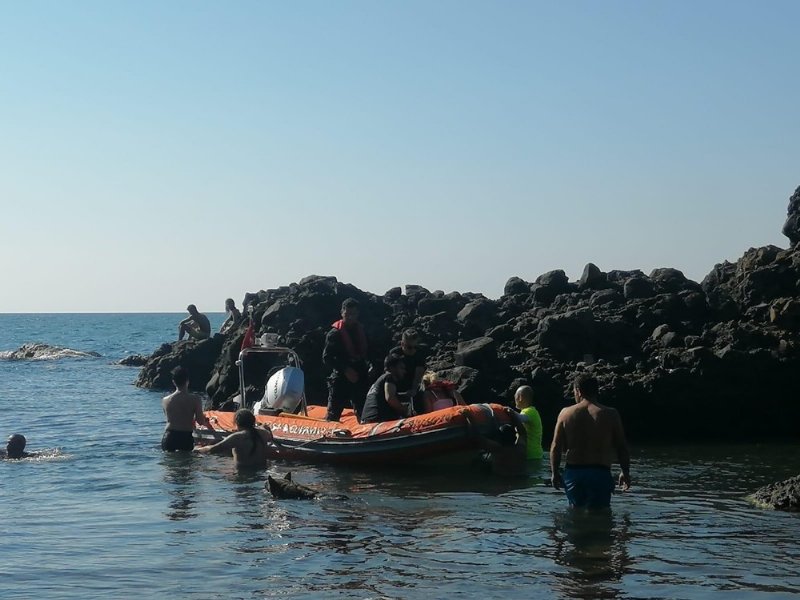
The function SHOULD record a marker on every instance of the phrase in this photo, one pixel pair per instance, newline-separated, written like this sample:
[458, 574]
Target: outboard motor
[284, 390]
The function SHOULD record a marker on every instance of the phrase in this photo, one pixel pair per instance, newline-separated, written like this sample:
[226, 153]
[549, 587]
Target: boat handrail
[269, 349]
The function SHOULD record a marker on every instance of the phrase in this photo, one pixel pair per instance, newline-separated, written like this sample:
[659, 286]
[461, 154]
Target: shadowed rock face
[791, 228]
[784, 495]
[672, 354]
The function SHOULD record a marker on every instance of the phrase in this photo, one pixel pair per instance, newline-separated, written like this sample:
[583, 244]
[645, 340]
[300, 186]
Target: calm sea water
[109, 515]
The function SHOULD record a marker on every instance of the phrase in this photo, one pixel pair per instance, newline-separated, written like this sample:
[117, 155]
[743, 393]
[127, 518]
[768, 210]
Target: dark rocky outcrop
[784, 495]
[672, 354]
[134, 360]
[791, 228]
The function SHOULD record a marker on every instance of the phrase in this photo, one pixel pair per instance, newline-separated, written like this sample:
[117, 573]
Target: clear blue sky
[154, 154]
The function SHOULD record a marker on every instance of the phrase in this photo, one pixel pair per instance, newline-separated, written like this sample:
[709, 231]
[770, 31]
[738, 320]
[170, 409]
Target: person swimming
[15, 447]
[248, 444]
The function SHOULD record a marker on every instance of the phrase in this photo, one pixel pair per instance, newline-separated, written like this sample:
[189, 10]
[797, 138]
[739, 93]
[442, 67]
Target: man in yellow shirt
[523, 399]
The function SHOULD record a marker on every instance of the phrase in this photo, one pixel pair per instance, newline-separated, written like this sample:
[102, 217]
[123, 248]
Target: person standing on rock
[523, 399]
[196, 325]
[345, 353]
[591, 435]
[182, 409]
[415, 360]
[234, 316]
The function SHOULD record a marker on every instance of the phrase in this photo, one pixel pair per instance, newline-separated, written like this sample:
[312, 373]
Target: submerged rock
[45, 352]
[134, 360]
[784, 495]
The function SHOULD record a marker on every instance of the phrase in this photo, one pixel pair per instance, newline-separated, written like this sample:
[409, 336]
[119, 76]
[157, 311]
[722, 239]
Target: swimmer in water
[248, 444]
[15, 448]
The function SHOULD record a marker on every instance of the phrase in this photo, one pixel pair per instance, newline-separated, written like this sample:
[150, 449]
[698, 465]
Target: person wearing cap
[15, 447]
[196, 325]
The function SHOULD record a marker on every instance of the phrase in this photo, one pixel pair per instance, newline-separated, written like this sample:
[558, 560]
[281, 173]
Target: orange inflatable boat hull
[434, 437]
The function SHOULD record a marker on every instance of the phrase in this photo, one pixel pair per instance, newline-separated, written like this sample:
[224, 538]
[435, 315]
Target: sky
[155, 154]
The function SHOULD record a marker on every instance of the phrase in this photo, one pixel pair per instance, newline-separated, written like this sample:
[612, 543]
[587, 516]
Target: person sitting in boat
[439, 393]
[196, 325]
[523, 399]
[382, 403]
[345, 353]
[248, 444]
[415, 359]
[15, 447]
[507, 455]
[233, 318]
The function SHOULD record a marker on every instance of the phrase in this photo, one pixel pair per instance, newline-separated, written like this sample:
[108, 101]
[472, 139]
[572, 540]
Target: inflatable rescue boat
[450, 435]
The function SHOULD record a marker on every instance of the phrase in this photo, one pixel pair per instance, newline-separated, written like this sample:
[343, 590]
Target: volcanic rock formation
[672, 354]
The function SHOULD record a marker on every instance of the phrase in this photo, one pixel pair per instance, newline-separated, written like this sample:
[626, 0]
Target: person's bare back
[591, 433]
[592, 438]
[182, 409]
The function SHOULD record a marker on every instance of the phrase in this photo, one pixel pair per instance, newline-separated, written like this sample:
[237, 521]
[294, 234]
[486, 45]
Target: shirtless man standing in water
[591, 435]
[182, 409]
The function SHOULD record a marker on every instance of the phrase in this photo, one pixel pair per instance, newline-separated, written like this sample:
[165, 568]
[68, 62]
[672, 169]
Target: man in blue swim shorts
[590, 435]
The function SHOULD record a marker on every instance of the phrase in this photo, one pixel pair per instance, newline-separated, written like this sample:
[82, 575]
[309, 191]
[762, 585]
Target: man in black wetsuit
[415, 360]
[382, 403]
[182, 409]
[345, 354]
[196, 325]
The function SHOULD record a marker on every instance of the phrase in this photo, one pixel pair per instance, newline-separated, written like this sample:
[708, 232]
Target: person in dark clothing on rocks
[345, 353]
[233, 318]
[182, 409]
[415, 360]
[382, 403]
[196, 325]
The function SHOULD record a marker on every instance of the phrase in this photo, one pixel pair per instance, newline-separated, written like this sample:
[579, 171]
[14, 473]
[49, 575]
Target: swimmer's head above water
[15, 447]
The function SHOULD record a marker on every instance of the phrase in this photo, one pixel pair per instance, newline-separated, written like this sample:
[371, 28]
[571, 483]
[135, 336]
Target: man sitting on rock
[234, 316]
[414, 358]
[345, 353]
[196, 325]
[382, 403]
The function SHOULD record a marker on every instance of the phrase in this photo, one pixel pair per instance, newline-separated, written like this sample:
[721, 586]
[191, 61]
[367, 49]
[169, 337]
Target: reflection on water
[179, 477]
[593, 547]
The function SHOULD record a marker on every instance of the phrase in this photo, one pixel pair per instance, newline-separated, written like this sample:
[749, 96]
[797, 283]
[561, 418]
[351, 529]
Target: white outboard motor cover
[285, 390]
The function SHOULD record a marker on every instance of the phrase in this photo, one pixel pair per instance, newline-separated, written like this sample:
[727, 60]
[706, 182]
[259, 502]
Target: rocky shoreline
[682, 360]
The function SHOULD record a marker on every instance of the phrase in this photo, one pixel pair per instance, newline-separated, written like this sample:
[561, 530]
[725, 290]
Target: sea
[103, 513]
